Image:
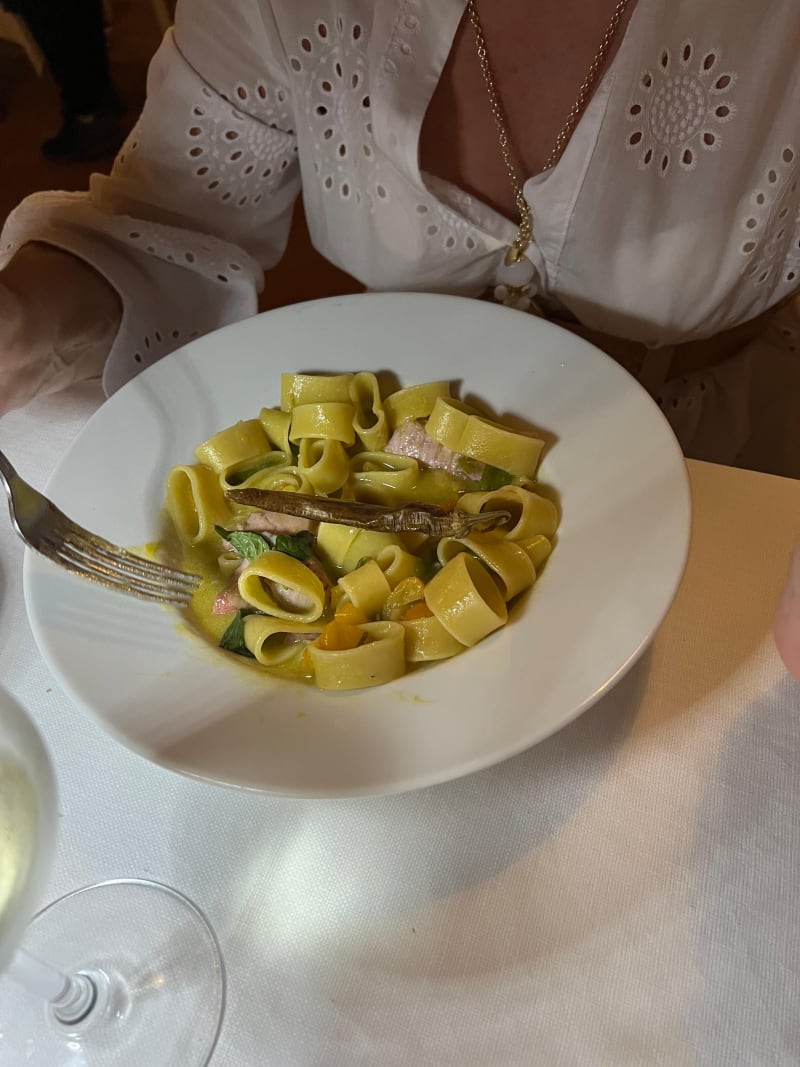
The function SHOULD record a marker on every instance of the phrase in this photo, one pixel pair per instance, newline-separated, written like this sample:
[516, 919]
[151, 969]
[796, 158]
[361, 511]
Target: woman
[631, 168]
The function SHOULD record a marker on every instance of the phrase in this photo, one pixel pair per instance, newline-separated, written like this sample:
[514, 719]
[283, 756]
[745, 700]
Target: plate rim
[33, 568]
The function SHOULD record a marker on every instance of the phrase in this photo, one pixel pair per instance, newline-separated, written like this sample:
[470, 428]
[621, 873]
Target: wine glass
[127, 972]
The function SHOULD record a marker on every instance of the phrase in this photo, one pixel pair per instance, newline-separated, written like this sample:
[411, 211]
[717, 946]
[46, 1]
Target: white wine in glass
[126, 972]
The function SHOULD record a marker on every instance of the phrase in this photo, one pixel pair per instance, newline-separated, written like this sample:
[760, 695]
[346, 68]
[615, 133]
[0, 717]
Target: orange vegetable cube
[338, 636]
[348, 612]
[418, 610]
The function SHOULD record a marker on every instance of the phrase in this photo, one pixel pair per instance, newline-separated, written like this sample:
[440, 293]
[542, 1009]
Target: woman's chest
[516, 78]
[673, 212]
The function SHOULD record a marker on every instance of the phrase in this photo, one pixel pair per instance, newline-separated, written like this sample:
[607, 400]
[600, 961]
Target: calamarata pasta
[349, 606]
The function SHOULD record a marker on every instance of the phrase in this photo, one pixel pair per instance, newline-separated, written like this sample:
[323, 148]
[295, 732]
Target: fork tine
[45, 528]
[123, 578]
[88, 567]
[124, 561]
[113, 570]
[173, 599]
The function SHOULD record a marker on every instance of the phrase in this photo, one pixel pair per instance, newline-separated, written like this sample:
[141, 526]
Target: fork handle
[8, 475]
[23, 499]
[7, 472]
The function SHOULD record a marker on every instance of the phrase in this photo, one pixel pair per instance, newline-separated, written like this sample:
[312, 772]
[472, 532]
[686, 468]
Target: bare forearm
[68, 298]
[58, 320]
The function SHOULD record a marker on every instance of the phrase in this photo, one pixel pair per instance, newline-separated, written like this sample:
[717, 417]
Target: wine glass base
[165, 995]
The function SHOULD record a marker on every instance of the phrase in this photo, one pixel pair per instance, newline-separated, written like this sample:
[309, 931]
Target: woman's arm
[58, 319]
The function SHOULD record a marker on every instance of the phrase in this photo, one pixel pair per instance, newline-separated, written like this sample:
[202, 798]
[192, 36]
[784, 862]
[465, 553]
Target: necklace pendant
[518, 272]
[514, 255]
[520, 297]
[516, 284]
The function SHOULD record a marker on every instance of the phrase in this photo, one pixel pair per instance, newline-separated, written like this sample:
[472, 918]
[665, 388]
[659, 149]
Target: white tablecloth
[624, 894]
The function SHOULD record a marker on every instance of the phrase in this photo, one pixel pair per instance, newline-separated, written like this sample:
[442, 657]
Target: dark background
[30, 113]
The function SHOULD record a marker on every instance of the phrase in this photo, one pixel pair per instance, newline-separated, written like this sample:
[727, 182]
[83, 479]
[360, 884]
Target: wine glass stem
[71, 996]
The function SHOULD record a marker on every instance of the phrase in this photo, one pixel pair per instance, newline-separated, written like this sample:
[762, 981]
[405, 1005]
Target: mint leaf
[468, 467]
[495, 478]
[233, 638]
[297, 545]
[247, 544]
[250, 545]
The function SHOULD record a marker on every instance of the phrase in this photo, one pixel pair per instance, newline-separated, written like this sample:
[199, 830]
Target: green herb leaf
[297, 545]
[247, 544]
[430, 564]
[233, 638]
[237, 477]
[495, 478]
[468, 467]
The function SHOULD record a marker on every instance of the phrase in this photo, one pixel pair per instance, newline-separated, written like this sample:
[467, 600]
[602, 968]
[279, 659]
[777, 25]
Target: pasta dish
[334, 583]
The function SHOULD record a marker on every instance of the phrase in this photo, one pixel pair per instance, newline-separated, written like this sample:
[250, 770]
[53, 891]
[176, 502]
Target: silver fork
[43, 527]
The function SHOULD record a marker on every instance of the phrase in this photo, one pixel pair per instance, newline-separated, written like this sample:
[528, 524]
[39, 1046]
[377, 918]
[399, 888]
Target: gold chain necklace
[517, 251]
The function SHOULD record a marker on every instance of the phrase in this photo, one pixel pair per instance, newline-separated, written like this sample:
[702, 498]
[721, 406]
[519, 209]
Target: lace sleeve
[200, 197]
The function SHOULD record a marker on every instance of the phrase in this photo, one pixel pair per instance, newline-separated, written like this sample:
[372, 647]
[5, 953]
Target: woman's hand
[58, 320]
[787, 619]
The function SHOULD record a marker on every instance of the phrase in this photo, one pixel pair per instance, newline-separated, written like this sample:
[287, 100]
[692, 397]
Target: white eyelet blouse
[673, 214]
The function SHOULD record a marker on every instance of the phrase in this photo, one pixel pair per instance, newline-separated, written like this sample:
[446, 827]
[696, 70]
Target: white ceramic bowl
[622, 545]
